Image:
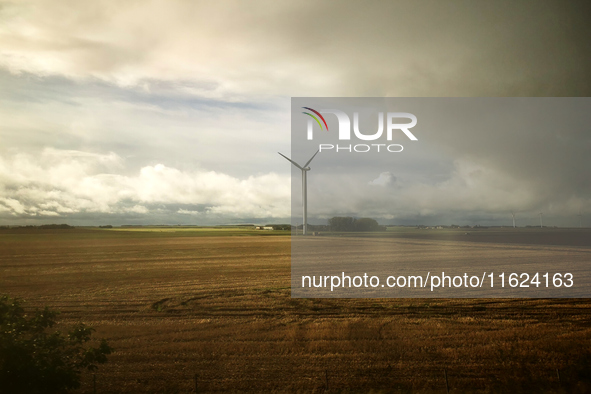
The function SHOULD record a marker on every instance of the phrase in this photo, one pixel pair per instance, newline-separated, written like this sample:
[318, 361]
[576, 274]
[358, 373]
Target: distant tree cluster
[55, 226]
[348, 223]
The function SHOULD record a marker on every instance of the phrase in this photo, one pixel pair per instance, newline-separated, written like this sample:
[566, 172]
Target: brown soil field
[334, 256]
[216, 312]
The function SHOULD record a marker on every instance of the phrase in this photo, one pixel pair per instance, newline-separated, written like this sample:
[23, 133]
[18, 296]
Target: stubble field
[216, 306]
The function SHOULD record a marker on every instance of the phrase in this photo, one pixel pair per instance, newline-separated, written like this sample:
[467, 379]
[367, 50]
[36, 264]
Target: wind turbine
[541, 221]
[580, 219]
[305, 170]
[513, 214]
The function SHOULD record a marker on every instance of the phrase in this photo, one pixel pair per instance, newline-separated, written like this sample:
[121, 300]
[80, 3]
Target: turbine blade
[309, 161]
[292, 162]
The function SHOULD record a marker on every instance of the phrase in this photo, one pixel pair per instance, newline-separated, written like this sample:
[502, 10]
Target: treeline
[348, 223]
[43, 227]
[56, 226]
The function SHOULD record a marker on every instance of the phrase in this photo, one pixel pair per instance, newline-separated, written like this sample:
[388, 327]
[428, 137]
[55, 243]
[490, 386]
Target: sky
[172, 112]
[474, 160]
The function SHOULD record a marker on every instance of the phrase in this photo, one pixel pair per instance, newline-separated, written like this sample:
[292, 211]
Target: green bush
[36, 359]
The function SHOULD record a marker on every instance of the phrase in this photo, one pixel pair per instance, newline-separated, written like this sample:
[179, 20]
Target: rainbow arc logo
[315, 118]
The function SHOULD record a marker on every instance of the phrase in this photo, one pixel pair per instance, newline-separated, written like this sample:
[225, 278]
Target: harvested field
[178, 304]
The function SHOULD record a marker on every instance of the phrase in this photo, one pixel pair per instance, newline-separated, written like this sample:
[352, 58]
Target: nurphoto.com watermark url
[434, 282]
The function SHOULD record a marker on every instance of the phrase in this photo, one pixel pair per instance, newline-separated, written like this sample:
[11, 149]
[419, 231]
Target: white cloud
[11, 205]
[62, 183]
[384, 179]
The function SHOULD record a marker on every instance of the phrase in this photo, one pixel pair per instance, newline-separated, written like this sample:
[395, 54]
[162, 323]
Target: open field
[411, 253]
[498, 235]
[176, 304]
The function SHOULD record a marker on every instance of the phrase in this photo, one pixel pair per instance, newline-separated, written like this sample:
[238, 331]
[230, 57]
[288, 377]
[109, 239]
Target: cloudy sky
[172, 111]
[475, 160]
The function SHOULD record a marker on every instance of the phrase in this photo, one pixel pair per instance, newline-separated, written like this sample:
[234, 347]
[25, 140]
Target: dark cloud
[475, 158]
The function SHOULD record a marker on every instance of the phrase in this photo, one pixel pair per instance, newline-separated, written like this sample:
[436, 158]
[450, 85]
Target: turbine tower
[513, 214]
[580, 219]
[305, 170]
[541, 221]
